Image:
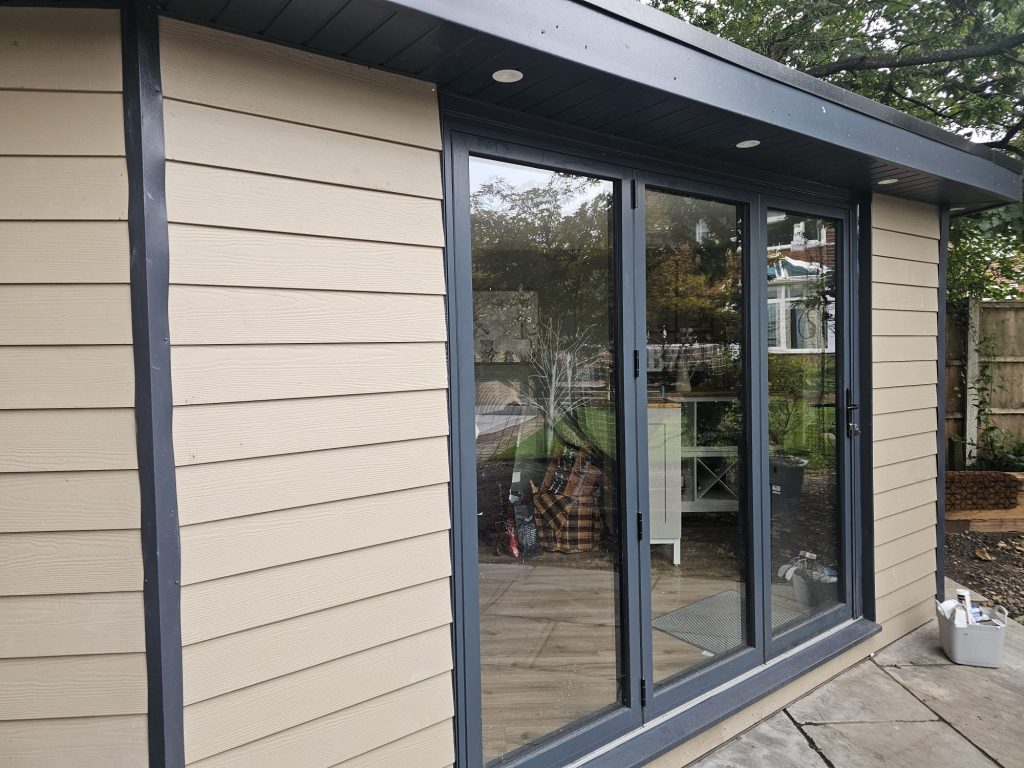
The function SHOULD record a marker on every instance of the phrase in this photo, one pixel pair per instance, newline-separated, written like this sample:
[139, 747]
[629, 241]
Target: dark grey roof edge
[652, 20]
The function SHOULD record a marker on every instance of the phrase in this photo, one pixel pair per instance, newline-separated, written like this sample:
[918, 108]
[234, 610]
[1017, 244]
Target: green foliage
[997, 448]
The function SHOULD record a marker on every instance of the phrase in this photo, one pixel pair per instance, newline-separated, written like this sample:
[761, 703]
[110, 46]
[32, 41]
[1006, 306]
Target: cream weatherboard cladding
[310, 423]
[72, 644]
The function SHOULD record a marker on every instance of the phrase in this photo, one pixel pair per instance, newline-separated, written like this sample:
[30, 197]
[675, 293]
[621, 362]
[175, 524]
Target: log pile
[981, 490]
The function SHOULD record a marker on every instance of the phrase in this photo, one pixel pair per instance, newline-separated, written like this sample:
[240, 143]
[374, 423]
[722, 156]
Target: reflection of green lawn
[595, 425]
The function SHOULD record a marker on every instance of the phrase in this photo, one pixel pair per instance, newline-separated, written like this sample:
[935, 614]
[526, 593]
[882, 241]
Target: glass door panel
[545, 308]
[695, 431]
[803, 424]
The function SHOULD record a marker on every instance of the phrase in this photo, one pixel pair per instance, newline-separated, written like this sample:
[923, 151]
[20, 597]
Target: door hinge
[640, 526]
[636, 363]
[643, 692]
[632, 194]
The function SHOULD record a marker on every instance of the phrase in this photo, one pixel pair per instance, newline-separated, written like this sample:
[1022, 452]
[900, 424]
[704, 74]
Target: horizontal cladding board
[217, 315]
[242, 544]
[112, 741]
[69, 501]
[72, 686]
[891, 322]
[909, 494]
[227, 431]
[904, 271]
[217, 374]
[232, 72]
[890, 579]
[236, 661]
[894, 552]
[900, 449]
[899, 215]
[904, 523]
[890, 425]
[67, 377]
[433, 747]
[71, 625]
[905, 374]
[216, 608]
[214, 256]
[64, 252]
[67, 440]
[909, 298]
[906, 597]
[903, 473]
[903, 348]
[39, 188]
[70, 562]
[88, 41]
[899, 245]
[65, 314]
[206, 136]
[248, 486]
[353, 731]
[36, 123]
[226, 198]
[894, 399]
[267, 708]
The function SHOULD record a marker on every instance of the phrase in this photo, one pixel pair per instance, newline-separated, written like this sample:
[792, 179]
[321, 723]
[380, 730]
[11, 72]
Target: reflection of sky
[483, 170]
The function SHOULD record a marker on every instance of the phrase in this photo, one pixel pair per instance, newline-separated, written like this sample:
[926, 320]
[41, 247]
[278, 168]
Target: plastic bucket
[976, 645]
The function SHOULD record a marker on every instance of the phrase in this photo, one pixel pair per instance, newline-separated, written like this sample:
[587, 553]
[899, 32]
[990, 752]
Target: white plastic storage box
[976, 645]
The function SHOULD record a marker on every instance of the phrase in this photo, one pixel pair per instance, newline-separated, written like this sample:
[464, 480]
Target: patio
[907, 706]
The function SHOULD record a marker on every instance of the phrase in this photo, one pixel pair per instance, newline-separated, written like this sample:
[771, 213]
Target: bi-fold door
[649, 456]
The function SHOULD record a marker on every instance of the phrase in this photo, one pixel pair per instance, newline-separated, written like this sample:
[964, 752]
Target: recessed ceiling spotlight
[887, 182]
[508, 75]
[748, 144]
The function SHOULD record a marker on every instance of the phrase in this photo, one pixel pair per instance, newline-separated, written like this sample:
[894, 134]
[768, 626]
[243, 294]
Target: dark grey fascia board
[638, 53]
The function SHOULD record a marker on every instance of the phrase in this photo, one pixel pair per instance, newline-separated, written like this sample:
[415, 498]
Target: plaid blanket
[567, 507]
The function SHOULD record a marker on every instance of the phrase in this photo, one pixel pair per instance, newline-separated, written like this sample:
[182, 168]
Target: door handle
[852, 427]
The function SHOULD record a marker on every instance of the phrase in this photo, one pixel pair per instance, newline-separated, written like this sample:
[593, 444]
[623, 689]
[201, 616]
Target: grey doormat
[715, 623]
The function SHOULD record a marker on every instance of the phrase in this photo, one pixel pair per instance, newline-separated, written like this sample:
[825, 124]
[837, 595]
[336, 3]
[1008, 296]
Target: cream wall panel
[905, 216]
[68, 501]
[351, 731]
[905, 374]
[63, 188]
[210, 196]
[111, 741]
[211, 256]
[229, 431]
[269, 372]
[915, 487]
[70, 562]
[904, 523]
[900, 271]
[912, 298]
[72, 686]
[215, 315]
[35, 123]
[242, 659]
[901, 449]
[88, 42]
[230, 489]
[894, 552]
[899, 245]
[65, 314]
[40, 441]
[894, 603]
[215, 608]
[891, 322]
[62, 625]
[430, 748]
[285, 702]
[38, 377]
[64, 252]
[243, 544]
[206, 136]
[264, 79]
[903, 348]
[903, 424]
[894, 399]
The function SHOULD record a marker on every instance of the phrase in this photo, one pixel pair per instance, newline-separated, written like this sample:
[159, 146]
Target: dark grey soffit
[621, 69]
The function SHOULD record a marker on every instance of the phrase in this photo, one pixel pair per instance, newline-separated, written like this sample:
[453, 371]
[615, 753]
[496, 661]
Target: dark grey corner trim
[670, 733]
[940, 410]
[865, 384]
[149, 270]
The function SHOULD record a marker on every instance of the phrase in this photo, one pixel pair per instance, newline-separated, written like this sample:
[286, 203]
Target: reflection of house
[801, 304]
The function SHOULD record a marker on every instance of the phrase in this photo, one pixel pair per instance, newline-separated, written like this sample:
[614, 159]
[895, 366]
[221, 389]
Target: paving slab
[899, 745]
[984, 705]
[920, 647]
[774, 742]
[864, 694]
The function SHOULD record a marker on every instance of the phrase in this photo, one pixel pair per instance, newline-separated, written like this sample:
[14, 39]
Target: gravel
[1000, 579]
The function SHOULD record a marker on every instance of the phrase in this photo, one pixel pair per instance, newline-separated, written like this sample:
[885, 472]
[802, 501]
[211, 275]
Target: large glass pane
[695, 429]
[544, 310]
[802, 418]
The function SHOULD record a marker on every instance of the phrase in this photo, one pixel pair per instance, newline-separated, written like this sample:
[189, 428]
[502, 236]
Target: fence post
[972, 373]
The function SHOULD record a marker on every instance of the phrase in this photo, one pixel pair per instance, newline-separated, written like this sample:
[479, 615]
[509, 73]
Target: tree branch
[895, 61]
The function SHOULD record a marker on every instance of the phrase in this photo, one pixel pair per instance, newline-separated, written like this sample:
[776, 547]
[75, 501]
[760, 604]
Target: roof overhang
[635, 75]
